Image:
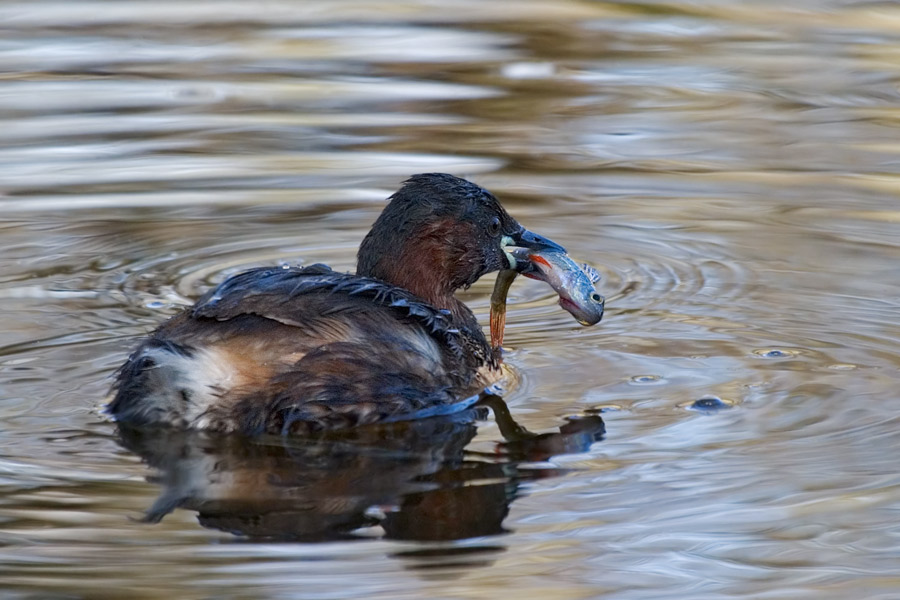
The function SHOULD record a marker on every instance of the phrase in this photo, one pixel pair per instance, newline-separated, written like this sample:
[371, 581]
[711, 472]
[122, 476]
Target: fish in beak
[546, 261]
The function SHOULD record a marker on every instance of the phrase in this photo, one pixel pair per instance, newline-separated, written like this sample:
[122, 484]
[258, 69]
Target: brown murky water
[731, 168]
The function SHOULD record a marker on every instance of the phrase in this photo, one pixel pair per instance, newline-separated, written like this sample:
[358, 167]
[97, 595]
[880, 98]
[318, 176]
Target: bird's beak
[523, 241]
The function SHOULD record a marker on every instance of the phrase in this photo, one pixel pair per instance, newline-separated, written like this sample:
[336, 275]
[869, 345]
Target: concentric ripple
[729, 168]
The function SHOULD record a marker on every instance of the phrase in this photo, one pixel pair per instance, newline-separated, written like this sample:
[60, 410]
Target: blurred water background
[732, 168]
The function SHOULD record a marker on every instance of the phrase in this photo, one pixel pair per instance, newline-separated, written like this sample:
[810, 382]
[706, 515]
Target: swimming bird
[289, 350]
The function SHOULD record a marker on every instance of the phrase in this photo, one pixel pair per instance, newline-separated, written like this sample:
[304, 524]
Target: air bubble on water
[710, 404]
[775, 353]
[646, 379]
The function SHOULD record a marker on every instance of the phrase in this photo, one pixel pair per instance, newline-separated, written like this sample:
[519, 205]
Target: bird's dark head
[440, 233]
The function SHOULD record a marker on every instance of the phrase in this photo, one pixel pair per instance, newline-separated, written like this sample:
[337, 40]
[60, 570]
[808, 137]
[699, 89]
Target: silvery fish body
[573, 283]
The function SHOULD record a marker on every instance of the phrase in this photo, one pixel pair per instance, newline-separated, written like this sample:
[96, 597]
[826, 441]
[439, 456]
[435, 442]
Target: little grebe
[282, 350]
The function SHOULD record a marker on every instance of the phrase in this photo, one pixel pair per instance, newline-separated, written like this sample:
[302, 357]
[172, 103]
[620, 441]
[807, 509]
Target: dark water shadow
[408, 481]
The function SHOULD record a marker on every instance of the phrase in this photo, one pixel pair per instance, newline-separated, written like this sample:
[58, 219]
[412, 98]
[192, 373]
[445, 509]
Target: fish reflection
[412, 480]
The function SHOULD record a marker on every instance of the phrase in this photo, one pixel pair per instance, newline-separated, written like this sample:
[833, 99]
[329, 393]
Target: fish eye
[596, 297]
[495, 226]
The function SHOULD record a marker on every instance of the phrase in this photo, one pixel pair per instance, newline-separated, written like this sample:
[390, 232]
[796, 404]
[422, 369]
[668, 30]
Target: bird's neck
[429, 264]
[422, 275]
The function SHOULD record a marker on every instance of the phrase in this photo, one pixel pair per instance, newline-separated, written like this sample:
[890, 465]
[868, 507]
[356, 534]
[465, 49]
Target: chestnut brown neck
[431, 262]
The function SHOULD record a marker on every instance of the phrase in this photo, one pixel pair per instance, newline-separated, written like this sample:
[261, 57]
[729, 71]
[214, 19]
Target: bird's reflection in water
[412, 480]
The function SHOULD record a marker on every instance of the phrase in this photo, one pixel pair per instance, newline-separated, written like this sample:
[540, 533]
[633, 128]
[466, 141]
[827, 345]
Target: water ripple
[730, 171]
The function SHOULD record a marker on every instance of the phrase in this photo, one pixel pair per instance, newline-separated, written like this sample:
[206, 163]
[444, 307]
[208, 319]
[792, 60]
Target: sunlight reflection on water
[729, 168]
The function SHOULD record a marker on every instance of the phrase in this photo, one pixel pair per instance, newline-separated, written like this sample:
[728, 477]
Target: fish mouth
[585, 313]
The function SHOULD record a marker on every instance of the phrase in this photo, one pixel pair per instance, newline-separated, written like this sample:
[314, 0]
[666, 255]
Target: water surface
[731, 168]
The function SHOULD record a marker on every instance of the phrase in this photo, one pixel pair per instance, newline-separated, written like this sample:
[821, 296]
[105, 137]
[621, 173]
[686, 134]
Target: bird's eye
[495, 225]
